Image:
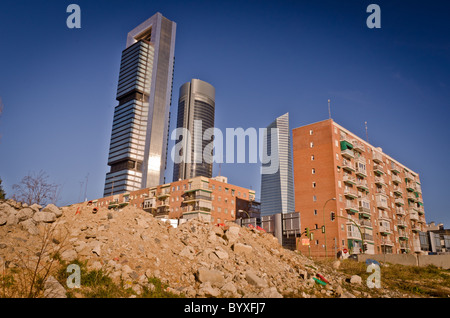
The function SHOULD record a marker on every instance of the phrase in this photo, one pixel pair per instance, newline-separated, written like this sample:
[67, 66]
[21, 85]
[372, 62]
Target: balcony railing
[411, 196]
[396, 179]
[401, 223]
[398, 190]
[362, 184]
[378, 169]
[399, 210]
[413, 215]
[409, 176]
[395, 168]
[351, 193]
[377, 157]
[385, 241]
[399, 201]
[349, 179]
[365, 222]
[348, 165]
[380, 181]
[348, 153]
[354, 235]
[385, 230]
[351, 207]
[358, 146]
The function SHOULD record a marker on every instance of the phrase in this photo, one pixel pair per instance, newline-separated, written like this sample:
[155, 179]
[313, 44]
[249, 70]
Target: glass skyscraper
[139, 138]
[196, 103]
[277, 189]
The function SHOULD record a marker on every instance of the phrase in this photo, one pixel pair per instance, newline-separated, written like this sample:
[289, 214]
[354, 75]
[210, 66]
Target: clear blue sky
[264, 58]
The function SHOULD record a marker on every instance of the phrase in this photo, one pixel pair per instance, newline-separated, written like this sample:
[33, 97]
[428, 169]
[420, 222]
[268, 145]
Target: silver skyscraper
[196, 103]
[277, 189]
[138, 148]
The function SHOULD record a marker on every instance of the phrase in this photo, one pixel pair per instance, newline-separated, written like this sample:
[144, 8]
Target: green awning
[420, 203]
[189, 191]
[346, 145]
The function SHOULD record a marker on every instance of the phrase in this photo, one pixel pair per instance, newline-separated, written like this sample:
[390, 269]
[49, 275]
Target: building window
[315, 212]
[312, 157]
[310, 132]
[313, 171]
[313, 184]
[314, 198]
[311, 144]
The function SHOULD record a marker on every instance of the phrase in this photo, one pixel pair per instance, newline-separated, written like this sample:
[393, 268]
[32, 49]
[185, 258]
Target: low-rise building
[213, 199]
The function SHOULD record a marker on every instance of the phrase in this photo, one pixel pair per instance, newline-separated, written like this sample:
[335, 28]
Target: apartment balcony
[347, 153]
[400, 211]
[362, 185]
[365, 223]
[420, 210]
[348, 165]
[361, 172]
[377, 157]
[401, 224]
[402, 235]
[149, 205]
[395, 168]
[404, 245]
[349, 179]
[411, 196]
[350, 193]
[413, 215]
[409, 176]
[354, 235]
[161, 211]
[381, 199]
[387, 242]
[380, 181]
[421, 220]
[351, 207]
[378, 169]
[364, 208]
[396, 179]
[358, 146]
[399, 201]
[368, 237]
[398, 190]
[418, 187]
[416, 227]
[410, 186]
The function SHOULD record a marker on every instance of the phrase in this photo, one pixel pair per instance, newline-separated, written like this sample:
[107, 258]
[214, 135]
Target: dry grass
[411, 281]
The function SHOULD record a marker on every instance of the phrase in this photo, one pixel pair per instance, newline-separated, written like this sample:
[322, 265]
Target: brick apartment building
[377, 200]
[210, 198]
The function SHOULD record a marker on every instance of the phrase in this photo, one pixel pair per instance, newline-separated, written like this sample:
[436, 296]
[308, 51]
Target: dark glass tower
[138, 148]
[196, 103]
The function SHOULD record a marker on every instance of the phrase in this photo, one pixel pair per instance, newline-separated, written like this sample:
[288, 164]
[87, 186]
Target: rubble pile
[196, 259]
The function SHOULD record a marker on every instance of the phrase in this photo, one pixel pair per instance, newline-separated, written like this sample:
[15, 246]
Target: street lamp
[325, 233]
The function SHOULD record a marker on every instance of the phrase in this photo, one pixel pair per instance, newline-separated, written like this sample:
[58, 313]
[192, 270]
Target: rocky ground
[196, 259]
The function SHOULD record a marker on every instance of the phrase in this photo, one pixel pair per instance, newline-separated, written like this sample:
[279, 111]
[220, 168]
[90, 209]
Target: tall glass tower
[139, 138]
[277, 189]
[196, 103]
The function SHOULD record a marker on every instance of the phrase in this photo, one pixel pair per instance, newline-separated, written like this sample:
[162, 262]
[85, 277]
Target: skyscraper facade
[277, 189]
[138, 147]
[196, 106]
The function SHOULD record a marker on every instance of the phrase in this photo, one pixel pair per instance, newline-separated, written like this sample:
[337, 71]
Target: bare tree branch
[35, 188]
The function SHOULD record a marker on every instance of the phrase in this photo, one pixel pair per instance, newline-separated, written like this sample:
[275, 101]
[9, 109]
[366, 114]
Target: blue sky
[265, 58]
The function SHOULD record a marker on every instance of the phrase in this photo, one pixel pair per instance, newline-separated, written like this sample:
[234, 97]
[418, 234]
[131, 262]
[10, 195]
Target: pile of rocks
[28, 217]
[195, 259]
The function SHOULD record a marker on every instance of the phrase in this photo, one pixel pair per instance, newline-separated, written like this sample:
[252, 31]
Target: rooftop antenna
[329, 110]
[367, 134]
[85, 188]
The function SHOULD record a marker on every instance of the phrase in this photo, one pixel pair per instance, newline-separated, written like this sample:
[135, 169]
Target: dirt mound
[196, 259]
